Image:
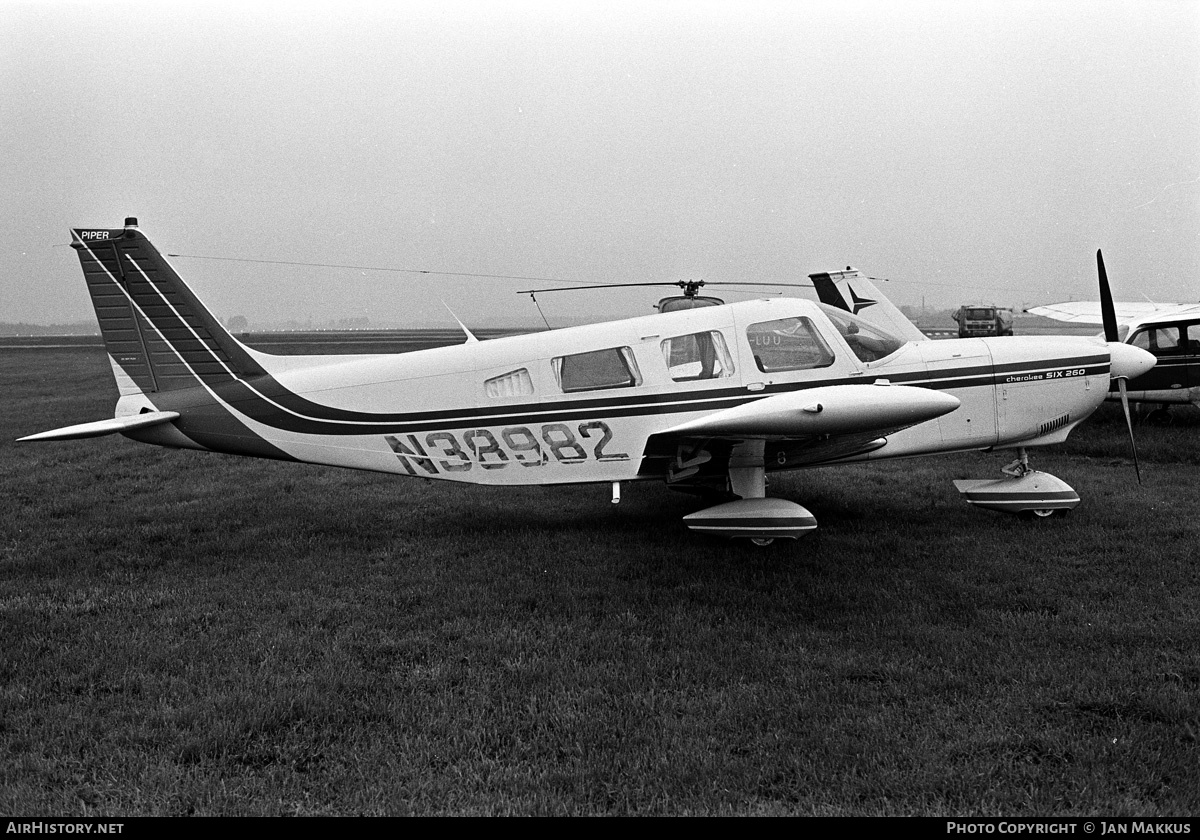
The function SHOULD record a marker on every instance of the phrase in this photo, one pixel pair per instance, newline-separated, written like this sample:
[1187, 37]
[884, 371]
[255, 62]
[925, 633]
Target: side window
[868, 342]
[1191, 339]
[1168, 338]
[700, 355]
[514, 384]
[599, 369]
[1158, 339]
[788, 344]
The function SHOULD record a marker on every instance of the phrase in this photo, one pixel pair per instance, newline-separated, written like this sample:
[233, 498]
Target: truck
[983, 319]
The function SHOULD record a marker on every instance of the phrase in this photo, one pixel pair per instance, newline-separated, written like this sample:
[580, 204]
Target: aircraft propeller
[1124, 364]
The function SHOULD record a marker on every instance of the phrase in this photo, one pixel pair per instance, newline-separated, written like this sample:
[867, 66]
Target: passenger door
[1171, 373]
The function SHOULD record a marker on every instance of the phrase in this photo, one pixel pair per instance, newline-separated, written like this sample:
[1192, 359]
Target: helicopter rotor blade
[677, 283]
[596, 286]
[771, 285]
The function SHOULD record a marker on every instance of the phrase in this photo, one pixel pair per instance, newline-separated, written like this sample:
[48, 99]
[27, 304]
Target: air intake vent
[1056, 423]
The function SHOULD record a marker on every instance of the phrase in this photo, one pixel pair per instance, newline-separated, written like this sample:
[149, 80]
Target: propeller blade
[1107, 312]
[1122, 360]
[1129, 425]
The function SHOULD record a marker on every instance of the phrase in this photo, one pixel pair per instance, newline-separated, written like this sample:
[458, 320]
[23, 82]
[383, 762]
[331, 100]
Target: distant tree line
[77, 328]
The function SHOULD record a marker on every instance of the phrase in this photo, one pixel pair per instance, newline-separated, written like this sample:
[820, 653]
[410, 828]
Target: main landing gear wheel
[761, 521]
[1041, 513]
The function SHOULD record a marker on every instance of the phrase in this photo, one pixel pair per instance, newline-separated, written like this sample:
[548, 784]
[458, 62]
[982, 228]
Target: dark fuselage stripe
[649, 405]
[693, 400]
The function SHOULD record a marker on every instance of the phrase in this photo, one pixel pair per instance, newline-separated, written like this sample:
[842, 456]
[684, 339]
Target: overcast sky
[966, 151]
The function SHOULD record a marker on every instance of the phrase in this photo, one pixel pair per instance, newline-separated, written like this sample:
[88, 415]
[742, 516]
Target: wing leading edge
[832, 410]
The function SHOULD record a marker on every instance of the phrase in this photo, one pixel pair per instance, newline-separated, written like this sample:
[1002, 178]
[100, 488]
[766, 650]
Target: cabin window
[513, 384]
[1191, 338]
[866, 340]
[1157, 339]
[700, 355]
[597, 370]
[788, 344]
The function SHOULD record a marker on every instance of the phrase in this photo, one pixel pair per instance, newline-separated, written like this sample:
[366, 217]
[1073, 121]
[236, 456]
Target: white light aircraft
[1170, 331]
[708, 400]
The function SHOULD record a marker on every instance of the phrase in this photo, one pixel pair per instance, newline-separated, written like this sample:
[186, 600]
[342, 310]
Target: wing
[1088, 311]
[798, 428]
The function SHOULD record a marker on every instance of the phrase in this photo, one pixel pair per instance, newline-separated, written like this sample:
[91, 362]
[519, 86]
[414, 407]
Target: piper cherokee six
[708, 400]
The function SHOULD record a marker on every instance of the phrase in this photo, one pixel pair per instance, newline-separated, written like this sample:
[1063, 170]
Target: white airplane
[708, 400]
[1170, 331]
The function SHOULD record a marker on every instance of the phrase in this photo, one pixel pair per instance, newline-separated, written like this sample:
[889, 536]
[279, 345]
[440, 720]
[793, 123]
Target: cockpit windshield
[869, 342]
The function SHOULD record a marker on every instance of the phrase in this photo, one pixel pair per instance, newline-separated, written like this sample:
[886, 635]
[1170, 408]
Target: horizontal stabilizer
[105, 427]
[829, 410]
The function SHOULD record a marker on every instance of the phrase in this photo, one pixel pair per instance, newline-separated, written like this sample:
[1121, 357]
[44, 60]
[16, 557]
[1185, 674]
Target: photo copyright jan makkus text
[1099, 827]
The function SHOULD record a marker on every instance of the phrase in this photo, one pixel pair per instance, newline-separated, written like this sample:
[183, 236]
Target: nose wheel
[1026, 492]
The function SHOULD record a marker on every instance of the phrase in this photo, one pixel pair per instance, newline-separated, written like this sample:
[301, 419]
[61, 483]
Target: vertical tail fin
[157, 332]
[850, 291]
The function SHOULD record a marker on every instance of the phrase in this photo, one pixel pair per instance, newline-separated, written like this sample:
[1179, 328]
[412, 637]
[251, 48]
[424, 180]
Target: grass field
[183, 633]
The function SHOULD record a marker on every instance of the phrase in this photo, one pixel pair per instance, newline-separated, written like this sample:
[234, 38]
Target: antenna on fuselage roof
[540, 312]
[471, 339]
